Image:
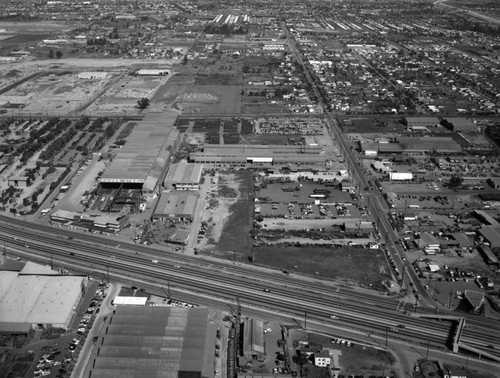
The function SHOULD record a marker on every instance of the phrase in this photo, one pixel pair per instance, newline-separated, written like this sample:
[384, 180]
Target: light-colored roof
[32, 268]
[177, 204]
[64, 214]
[130, 301]
[6, 280]
[434, 267]
[40, 299]
[183, 173]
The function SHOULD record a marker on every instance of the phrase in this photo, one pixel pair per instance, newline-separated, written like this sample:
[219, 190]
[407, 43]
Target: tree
[51, 54]
[455, 182]
[143, 103]
[59, 54]
[185, 60]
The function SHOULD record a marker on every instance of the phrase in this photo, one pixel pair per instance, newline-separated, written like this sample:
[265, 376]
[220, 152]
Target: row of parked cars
[86, 322]
[203, 230]
[43, 368]
[341, 342]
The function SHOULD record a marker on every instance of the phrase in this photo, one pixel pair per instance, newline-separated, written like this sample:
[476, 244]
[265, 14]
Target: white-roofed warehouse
[39, 299]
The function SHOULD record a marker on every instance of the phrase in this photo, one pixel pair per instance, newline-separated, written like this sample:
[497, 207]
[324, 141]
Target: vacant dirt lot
[229, 217]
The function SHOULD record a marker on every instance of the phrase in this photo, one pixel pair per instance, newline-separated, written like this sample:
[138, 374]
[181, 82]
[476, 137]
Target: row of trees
[55, 54]
[55, 147]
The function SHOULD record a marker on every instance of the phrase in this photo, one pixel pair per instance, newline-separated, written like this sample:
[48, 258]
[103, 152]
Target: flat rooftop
[177, 204]
[43, 299]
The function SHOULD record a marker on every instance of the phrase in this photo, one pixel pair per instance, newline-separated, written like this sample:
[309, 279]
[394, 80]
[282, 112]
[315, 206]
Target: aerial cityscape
[250, 189]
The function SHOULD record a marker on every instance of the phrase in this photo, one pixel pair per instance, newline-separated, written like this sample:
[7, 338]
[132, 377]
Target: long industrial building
[408, 145]
[37, 297]
[142, 162]
[239, 155]
[162, 342]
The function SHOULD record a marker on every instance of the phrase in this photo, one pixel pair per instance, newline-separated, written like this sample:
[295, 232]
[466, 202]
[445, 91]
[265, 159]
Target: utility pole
[168, 289]
[305, 319]
[107, 272]
[4, 249]
[427, 354]
[386, 332]
[51, 261]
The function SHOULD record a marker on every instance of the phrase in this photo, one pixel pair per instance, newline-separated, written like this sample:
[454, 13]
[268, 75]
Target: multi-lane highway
[259, 289]
[267, 290]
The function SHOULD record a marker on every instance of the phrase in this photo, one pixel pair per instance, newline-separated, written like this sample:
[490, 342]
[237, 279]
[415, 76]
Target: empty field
[357, 265]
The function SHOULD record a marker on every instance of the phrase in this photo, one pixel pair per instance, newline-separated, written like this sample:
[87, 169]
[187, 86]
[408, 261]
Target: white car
[154, 261]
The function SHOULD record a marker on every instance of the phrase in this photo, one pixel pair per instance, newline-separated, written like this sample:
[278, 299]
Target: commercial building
[239, 155]
[322, 359]
[429, 144]
[361, 229]
[183, 176]
[463, 240]
[35, 297]
[491, 234]
[142, 162]
[460, 124]
[105, 223]
[176, 206]
[412, 122]
[18, 181]
[400, 176]
[153, 72]
[413, 145]
[485, 218]
[148, 341]
[429, 242]
[489, 257]
[253, 338]
[92, 75]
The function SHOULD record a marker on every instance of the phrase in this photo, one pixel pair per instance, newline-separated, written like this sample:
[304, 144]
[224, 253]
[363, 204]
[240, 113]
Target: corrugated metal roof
[144, 156]
[491, 234]
[156, 342]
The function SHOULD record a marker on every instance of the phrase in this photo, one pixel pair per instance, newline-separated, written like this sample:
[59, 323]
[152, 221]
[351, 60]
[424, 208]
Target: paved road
[493, 20]
[375, 200]
[194, 278]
